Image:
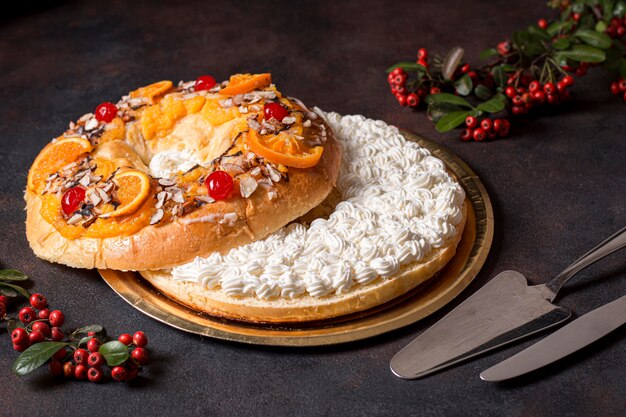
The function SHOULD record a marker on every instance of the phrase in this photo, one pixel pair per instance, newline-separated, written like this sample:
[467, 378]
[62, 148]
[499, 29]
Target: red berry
[398, 89]
[27, 315]
[412, 100]
[132, 374]
[60, 354]
[622, 85]
[471, 122]
[581, 71]
[397, 71]
[42, 327]
[517, 101]
[43, 314]
[95, 374]
[204, 82]
[465, 69]
[57, 334]
[118, 373]
[80, 356]
[421, 92]
[534, 86]
[517, 110]
[479, 134]
[275, 110]
[400, 80]
[466, 134]
[219, 184]
[491, 134]
[510, 92]
[568, 80]
[473, 75]
[22, 347]
[401, 99]
[140, 339]
[504, 47]
[423, 63]
[539, 97]
[56, 318]
[4, 300]
[80, 372]
[615, 90]
[3, 310]
[19, 336]
[125, 338]
[542, 23]
[56, 368]
[71, 200]
[36, 337]
[435, 90]
[422, 54]
[93, 345]
[390, 77]
[624, 96]
[549, 88]
[106, 112]
[68, 369]
[140, 355]
[553, 99]
[486, 124]
[95, 359]
[38, 301]
[620, 31]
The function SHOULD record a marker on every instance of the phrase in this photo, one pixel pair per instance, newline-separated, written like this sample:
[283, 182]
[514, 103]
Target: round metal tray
[407, 309]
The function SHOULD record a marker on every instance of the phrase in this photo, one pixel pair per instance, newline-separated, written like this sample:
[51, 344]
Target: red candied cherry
[140, 339]
[466, 134]
[219, 184]
[41, 327]
[57, 334]
[534, 86]
[204, 82]
[36, 337]
[19, 336]
[38, 301]
[486, 124]
[401, 99]
[80, 356]
[539, 97]
[80, 372]
[3, 310]
[412, 100]
[56, 318]
[471, 122]
[95, 359]
[568, 80]
[68, 369]
[549, 88]
[479, 134]
[43, 314]
[422, 54]
[125, 338]
[93, 345]
[95, 374]
[118, 373]
[510, 91]
[106, 112]
[27, 315]
[615, 90]
[275, 110]
[56, 367]
[60, 354]
[71, 200]
[140, 355]
[542, 23]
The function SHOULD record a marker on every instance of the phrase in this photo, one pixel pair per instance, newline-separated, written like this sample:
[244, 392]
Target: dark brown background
[558, 185]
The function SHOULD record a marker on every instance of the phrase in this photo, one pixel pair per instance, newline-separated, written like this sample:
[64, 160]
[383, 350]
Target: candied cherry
[72, 199]
[275, 110]
[56, 318]
[219, 184]
[140, 339]
[38, 301]
[204, 82]
[27, 315]
[106, 112]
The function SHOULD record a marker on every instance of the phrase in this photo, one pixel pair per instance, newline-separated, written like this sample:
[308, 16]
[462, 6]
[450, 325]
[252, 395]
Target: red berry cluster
[40, 324]
[618, 88]
[88, 363]
[484, 129]
[530, 93]
[616, 28]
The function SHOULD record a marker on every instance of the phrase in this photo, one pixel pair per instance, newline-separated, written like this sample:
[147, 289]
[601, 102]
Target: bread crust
[307, 308]
[177, 242]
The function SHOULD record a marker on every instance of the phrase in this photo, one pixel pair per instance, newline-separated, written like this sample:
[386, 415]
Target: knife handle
[607, 247]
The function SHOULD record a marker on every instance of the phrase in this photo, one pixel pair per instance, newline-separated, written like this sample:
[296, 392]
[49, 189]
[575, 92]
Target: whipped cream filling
[398, 203]
[166, 163]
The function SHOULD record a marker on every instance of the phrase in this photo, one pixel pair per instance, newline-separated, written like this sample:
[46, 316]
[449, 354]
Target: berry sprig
[82, 354]
[535, 68]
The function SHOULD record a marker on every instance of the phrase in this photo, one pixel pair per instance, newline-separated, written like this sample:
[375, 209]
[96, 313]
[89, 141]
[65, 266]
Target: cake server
[502, 311]
[568, 339]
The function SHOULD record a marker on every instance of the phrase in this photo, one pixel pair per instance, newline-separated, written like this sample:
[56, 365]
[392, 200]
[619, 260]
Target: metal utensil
[504, 310]
[568, 339]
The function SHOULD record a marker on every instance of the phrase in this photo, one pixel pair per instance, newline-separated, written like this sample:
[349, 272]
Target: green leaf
[114, 352]
[4, 285]
[464, 85]
[35, 356]
[451, 62]
[84, 340]
[8, 291]
[12, 275]
[619, 9]
[582, 53]
[488, 53]
[601, 26]
[540, 33]
[494, 105]
[483, 92]
[436, 111]
[498, 76]
[593, 38]
[407, 66]
[528, 44]
[562, 43]
[447, 98]
[87, 329]
[451, 120]
[557, 27]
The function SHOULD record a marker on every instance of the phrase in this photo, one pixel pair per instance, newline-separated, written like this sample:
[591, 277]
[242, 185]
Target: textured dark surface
[558, 187]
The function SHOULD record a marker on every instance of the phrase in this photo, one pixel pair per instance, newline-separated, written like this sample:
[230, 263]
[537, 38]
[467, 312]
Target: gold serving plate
[402, 311]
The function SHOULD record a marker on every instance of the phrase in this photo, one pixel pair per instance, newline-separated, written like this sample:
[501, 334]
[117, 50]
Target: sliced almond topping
[157, 217]
[247, 186]
[75, 219]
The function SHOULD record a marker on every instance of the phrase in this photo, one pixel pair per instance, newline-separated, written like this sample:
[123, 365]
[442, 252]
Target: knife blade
[570, 338]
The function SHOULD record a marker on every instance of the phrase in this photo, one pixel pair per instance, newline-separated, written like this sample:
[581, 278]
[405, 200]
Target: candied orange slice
[133, 188]
[55, 156]
[152, 91]
[244, 83]
[284, 149]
